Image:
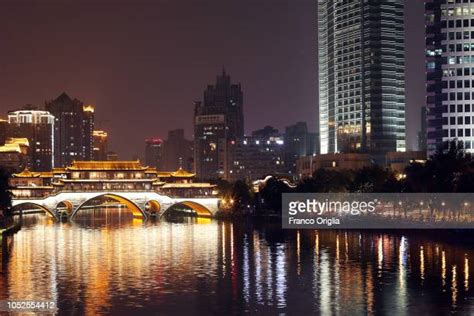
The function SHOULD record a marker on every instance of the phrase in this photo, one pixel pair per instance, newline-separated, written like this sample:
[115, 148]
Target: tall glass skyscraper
[361, 76]
[449, 69]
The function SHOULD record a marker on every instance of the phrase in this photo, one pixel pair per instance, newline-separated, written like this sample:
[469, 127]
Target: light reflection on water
[116, 264]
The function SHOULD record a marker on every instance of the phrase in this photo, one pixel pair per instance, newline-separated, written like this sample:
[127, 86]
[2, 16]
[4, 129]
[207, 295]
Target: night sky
[143, 63]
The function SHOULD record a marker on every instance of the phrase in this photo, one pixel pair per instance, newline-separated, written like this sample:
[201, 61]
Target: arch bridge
[141, 204]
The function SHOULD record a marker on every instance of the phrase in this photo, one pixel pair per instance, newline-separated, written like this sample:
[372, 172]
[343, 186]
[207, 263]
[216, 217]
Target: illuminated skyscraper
[217, 121]
[100, 145]
[38, 128]
[361, 76]
[449, 72]
[73, 130]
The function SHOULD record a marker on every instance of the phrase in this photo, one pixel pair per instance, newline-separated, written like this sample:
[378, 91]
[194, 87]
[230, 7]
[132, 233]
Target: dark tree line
[5, 196]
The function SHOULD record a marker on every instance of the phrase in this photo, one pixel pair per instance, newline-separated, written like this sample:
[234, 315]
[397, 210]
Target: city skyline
[148, 75]
[203, 157]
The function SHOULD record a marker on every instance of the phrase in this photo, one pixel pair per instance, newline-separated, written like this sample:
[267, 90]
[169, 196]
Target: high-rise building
[361, 76]
[449, 71]
[153, 152]
[88, 132]
[255, 157]
[100, 145]
[422, 133]
[38, 128]
[73, 130]
[177, 152]
[217, 121]
[298, 143]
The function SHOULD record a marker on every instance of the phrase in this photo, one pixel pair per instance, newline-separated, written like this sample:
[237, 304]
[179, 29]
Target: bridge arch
[67, 204]
[133, 207]
[199, 209]
[44, 208]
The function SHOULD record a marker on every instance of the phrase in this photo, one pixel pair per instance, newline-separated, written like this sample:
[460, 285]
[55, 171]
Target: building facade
[255, 158]
[100, 145]
[298, 143]
[153, 152]
[14, 155]
[306, 166]
[361, 76]
[449, 71]
[38, 127]
[177, 151]
[218, 120]
[73, 130]
[423, 130]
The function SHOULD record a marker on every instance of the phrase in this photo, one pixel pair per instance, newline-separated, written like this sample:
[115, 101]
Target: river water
[111, 263]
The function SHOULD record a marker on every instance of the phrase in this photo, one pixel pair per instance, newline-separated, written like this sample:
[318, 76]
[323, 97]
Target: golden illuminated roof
[164, 174]
[17, 141]
[107, 165]
[187, 185]
[180, 173]
[59, 170]
[99, 133]
[46, 174]
[26, 173]
[8, 148]
[88, 108]
[151, 170]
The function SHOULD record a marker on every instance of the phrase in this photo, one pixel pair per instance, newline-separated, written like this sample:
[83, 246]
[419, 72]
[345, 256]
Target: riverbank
[11, 227]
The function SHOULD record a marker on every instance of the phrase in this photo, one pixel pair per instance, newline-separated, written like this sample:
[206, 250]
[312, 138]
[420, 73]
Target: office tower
[298, 143]
[422, 133]
[449, 71]
[218, 120]
[153, 152]
[73, 130]
[361, 76]
[100, 145]
[88, 132]
[38, 128]
[177, 152]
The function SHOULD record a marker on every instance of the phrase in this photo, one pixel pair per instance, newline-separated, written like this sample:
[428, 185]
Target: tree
[449, 170]
[5, 195]
[374, 179]
[271, 194]
[325, 181]
[242, 195]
